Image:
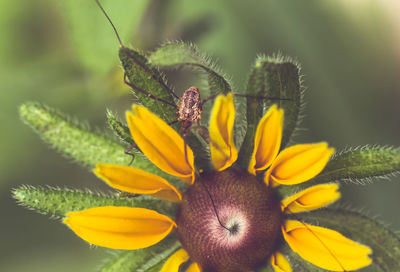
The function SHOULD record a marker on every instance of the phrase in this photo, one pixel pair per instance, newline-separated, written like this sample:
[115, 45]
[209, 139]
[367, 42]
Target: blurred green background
[64, 54]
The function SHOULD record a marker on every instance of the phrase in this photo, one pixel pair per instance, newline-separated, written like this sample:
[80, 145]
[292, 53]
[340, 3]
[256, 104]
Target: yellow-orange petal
[324, 247]
[267, 141]
[222, 146]
[311, 198]
[161, 144]
[136, 181]
[298, 163]
[175, 261]
[280, 263]
[194, 267]
[120, 227]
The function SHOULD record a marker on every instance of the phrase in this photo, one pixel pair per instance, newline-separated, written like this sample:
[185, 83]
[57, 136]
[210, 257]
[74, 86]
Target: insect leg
[208, 99]
[127, 152]
[136, 88]
[129, 54]
[263, 97]
[247, 96]
[214, 207]
[185, 130]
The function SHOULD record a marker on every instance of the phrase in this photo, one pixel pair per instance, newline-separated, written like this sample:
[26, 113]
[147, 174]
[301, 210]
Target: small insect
[190, 104]
[190, 108]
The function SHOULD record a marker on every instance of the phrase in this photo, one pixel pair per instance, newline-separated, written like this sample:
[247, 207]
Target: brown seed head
[245, 206]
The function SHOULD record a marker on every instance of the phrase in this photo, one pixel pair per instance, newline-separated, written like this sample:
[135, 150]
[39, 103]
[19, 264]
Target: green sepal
[361, 164]
[271, 77]
[384, 243]
[120, 130]
[71, 137]
[141, 74]
[175, 54]
[265, 268]
[145, 76]
[78, 142]
[357, 165]
[141, 260]
[57, 202]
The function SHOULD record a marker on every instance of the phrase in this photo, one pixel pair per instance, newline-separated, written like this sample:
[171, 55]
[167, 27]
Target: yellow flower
[229, 219]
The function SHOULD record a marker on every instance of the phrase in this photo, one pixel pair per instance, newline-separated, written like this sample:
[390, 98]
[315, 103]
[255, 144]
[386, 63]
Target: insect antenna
[288, 211]
[212, 97]
[213, 205]
[111, 23]
[134, 59]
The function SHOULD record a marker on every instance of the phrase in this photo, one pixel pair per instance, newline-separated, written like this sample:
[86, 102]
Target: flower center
[229, 221]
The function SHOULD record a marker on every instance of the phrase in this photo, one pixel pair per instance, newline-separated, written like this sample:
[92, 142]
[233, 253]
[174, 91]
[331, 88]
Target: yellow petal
[267, 140]
[136, 181]
[120, 227]
[311, 198]
[194, 267]
[222, 147]
[280, 263]
[175, 261]
[299, 163]
[161, 144]
[325, 248]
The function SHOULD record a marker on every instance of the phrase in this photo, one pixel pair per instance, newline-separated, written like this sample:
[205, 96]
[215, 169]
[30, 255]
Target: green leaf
[142, 260]
[120, 130]
[362, 164]
[357, 165]
[147, 78]
[265, 268]
[94, 43]
[175, 54]
[57, 202]
[78, 142]
[383, 242]
[182, 54]
[271, 77]
[72, 138]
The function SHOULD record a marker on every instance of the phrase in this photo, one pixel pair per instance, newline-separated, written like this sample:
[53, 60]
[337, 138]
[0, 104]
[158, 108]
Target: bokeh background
[64, 54]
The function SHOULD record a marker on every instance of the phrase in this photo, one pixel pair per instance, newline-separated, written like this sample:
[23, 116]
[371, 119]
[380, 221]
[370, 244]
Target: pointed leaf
[362, 164]
[71, 138]
[147, 78]
[179, 54]
[271, 77]
[78, 142]
[142, 260]
[120, 130]
[384, 243]
[57, 202]
[182, 54]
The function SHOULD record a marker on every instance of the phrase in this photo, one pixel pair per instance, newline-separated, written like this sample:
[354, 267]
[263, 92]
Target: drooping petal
[267, 141]
[161, 144]
[120, 227]
[175, 261]
[280, 263]
[311, 198]
[194, 267]
[136, 181]
[222, 147]
[298, 163]
[324, 247]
